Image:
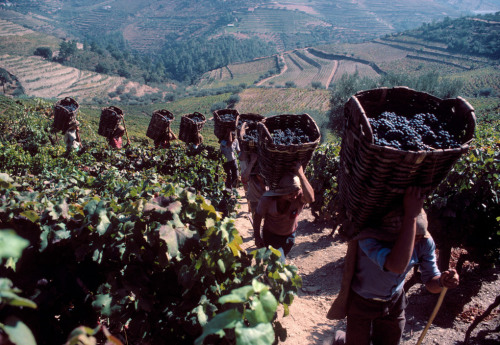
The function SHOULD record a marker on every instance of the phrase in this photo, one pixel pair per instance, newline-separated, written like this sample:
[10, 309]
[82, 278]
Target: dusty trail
[319, 258]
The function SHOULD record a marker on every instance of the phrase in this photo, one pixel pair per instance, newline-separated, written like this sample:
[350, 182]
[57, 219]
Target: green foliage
[11, 247]
[44, 52]
[322, 172]
[467, 35]
[465, 208]
[133, 238]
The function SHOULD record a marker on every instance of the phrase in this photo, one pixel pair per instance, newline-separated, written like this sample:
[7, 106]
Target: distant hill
[431, 47]
[148, 24]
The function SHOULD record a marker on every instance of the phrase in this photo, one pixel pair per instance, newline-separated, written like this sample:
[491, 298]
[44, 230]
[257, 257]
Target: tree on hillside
[66, 49]
[44, 52]
[4, 78]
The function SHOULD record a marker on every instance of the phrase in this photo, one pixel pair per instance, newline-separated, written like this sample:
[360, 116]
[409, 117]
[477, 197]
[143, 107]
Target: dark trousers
[283, 243]
[381, 322]
[231, 169]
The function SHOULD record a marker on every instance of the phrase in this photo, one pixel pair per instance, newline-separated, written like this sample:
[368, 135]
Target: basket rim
[169, 116]
[367, 132]
[271, 146]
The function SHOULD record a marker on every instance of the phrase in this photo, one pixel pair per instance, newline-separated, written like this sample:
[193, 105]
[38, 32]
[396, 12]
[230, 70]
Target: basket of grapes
[225, 120]
[159, 124]
[109, 121]
[247, 132]
[283, 141]
[190, 127]
[395, 138]
[65, 111]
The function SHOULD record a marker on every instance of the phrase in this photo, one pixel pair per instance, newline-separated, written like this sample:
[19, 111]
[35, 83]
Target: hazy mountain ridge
[148, 24]
[299, 67]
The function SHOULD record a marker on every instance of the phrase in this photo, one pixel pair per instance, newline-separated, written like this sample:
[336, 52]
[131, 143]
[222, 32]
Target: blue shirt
[372, 281]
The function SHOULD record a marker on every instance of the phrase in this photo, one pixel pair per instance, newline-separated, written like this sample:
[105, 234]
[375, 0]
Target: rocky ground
[319, 256]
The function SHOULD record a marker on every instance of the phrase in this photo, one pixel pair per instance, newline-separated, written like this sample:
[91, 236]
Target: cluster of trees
[469, 35]
[183, 61]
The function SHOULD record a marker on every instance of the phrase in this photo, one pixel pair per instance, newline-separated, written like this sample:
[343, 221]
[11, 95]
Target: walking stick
[126, 133]
[433, 315]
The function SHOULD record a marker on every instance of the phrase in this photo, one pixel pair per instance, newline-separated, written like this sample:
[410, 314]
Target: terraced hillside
[45, 79]
[17, 39]
[145, 24]
[235, 74]
[273, 101]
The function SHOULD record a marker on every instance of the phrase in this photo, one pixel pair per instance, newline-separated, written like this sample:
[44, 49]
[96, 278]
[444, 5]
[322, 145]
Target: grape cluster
[414, 133]
[69, 107]
[250, 123]
[227, 117]
[289, 136]
[197, 118]
[251, 135]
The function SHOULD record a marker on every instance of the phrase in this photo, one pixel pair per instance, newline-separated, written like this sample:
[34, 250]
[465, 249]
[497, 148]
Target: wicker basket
[65, 111]
[221, 127]
[276, 160]
[249, 121]
[109, 121]
[248, 146]
[372, 178]
[189, 129]
[159, 124]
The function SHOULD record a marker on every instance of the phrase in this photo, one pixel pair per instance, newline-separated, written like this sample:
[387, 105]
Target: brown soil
[319, 257]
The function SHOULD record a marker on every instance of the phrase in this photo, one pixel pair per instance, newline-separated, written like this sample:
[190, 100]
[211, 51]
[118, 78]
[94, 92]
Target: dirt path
[283, 70]
[332, 74]
[319, 258]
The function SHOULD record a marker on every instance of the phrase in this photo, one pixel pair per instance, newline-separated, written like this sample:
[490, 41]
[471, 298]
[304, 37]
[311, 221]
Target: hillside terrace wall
[331, 56]
[415, 57]
[447, 56]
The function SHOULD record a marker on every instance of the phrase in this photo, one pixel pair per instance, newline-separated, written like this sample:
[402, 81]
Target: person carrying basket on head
[383, 256]
[164, 140]
[256, 185]
[115, 140]
[72, 137]
[230, 148]
[280, 208]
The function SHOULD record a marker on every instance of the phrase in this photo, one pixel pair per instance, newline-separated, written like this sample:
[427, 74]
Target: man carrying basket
[376, 301]
[230, 148]
[280, 209]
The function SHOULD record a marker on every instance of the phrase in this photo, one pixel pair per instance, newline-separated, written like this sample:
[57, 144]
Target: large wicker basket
[247, 122]
[189, 129]
[109, 121]
[221, 127]
[276, 160]
[65, 112]
[159, 124]
[372, 178]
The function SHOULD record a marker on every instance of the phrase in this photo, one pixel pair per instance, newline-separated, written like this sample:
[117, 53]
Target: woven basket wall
[159, 124]
[65, 111]
[109, 121]
[372, 178]
[189, 129]
[276, 160]
[221, 128]
[251, 120]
